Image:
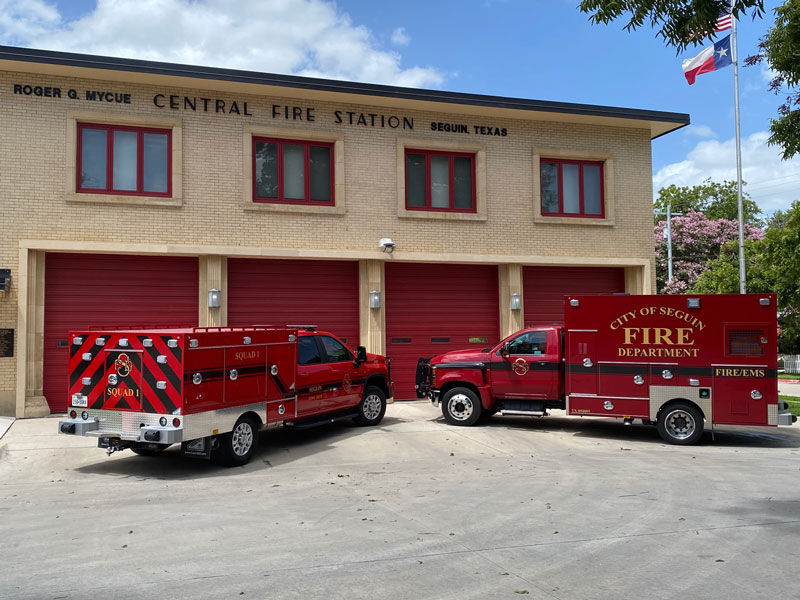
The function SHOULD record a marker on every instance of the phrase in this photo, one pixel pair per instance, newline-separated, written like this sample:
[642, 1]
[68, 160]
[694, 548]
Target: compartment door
[739, 395]
[245, 374]
[582, 362]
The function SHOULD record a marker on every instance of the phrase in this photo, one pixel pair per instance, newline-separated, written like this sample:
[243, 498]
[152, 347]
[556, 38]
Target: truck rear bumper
[99, 428]
[786, 418]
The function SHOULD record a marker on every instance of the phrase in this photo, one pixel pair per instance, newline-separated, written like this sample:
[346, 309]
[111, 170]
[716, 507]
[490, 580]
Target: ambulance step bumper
[786, 418]
[529, 413]
[77, 427]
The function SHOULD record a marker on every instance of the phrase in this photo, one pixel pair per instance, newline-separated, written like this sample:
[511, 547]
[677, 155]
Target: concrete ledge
[36, 406]
[5, 425]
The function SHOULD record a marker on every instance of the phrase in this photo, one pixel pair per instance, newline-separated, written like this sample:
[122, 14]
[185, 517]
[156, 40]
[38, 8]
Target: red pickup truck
[212, 389]
[678, 362]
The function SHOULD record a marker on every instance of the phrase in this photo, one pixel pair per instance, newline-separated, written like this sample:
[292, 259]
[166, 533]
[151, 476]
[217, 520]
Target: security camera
[386, 244]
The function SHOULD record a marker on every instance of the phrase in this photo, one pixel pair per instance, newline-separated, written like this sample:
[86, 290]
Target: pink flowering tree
[696, 242]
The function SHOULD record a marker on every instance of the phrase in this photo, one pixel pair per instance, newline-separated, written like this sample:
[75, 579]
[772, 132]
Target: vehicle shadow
[761, 437]
[282, 446]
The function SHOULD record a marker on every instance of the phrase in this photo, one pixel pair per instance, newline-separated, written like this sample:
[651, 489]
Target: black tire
[237, 447]
[461, 406]
[372, 407]
[680, 424]
[150, 450]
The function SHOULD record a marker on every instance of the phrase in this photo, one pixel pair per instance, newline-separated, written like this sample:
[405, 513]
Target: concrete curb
[5, 425]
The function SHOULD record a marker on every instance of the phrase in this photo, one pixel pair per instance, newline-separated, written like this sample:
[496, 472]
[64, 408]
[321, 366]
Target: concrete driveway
[560, 508]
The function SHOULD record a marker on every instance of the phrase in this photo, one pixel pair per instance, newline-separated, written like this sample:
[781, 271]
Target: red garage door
[299, 292]
[432, 309]
[544, 289]
[88, 290]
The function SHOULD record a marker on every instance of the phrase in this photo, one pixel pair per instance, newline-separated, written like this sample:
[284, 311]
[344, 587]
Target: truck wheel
[680, 424]
[150, 451]
[237, 447]
[461, 406]
[372, 407]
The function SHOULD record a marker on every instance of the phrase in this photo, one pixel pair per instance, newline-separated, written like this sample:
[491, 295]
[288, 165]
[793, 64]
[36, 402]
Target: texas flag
[710, 59]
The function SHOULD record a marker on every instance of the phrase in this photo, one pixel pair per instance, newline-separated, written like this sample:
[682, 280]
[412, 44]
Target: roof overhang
[65, 64]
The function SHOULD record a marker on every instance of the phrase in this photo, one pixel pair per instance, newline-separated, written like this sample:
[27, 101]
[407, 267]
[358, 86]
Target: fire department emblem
[347, 382]
[123, 365]
[520, 366]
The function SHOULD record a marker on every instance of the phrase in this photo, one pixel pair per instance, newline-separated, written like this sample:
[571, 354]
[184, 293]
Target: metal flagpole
[742, 285]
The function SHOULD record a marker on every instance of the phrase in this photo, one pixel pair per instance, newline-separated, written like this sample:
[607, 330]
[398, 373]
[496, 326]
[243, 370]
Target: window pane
[549, 187]
[93, 159]
[266, 170]
[415, 179]
[155, 162]
[440, 181]
[569, 176]
[293, 172]
[320, 173]
[592, 201]
[307, 351]
[335, 351]
[462, 181]
[745, 342]
[124, 176]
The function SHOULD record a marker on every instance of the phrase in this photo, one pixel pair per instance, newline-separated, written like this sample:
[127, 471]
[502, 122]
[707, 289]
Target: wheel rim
[372, 407]
[460, 407]
[242, 439]
[680, 424]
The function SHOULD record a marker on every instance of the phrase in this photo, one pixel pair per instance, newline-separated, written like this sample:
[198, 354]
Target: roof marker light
[77, 340]
[763, 301]
[693, 303]
[100, 341]
[574, 302]
[123, 341]
[173, 343]
[147, 342]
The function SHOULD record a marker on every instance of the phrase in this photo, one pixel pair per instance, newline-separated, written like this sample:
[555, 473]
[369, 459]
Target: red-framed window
[117, 159]
[440, 181]
[293, 171]
[572, 188]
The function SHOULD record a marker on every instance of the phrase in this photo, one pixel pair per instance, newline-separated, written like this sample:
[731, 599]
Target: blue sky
[538, 49]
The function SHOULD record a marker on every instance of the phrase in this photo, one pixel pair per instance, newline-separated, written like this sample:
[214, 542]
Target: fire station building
[409, 221]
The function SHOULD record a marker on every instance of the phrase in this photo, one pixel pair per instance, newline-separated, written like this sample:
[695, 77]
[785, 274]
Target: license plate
[82, 402]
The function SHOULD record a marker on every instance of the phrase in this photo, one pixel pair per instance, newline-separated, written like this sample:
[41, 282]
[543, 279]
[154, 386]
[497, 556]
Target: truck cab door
[531, 369]
[347, 388]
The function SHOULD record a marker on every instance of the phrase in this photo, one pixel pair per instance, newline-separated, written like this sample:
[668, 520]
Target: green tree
[773, 265]
[715, 200]
[684, 23]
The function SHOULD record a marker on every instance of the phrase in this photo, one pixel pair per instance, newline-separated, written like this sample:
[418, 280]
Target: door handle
[587, 362]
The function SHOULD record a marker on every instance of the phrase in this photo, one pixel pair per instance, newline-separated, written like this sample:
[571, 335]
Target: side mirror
[361, 356]
[505, 351]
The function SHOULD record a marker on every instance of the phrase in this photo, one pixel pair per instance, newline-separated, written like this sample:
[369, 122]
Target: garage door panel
[431, 309]
[93, 291]
[295, 292]
[544, 289]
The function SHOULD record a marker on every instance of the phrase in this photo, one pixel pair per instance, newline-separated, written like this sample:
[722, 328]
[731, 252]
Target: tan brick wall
[34, 154]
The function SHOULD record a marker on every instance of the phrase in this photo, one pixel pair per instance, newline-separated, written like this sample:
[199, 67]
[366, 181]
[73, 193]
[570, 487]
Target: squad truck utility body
[212, 389]
[682, 363]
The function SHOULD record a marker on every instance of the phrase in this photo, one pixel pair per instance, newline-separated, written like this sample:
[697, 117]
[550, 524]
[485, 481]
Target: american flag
[724, 20]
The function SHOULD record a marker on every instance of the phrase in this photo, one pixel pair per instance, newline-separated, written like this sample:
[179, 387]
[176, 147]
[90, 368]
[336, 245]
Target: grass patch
[788, 375]
[793, 402]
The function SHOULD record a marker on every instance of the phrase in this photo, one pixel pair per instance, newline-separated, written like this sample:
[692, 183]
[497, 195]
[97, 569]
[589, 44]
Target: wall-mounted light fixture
[5, 280]
[516, 301]
[213, 298]
[374, 299]
[387, 245]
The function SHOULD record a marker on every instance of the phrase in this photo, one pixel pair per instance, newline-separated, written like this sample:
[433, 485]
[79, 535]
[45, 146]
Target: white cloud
[701, 131]
[400, 37]
[302, 37]
[773, 183]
